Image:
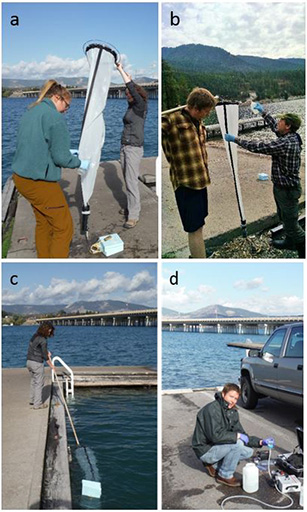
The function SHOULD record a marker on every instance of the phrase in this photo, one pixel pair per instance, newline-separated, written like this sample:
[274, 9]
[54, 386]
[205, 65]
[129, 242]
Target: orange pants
[54, 226]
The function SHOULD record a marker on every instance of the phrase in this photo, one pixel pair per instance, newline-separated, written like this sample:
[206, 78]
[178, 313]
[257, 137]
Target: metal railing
[68, 380]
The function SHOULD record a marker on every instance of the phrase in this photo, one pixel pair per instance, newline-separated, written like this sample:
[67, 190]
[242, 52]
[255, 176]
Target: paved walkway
[24, 434]
[186, 484]
[223, 210]
[108, 198]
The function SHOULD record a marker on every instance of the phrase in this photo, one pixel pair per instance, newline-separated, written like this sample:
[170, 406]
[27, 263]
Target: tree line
[232, 85]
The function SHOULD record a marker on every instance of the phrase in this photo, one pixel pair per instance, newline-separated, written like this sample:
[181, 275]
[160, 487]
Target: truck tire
[248, 396]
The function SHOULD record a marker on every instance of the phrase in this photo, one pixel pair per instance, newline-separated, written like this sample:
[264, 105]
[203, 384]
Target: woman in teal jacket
[43, 144]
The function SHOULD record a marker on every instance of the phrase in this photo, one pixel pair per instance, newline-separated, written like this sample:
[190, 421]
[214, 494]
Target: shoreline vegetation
[231, 85]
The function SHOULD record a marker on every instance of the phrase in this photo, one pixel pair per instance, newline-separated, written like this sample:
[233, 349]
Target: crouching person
[219, 439]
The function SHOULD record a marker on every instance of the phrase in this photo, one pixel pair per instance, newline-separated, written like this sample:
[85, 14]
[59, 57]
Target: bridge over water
[257, 325]
[116, 91]
[136, 318]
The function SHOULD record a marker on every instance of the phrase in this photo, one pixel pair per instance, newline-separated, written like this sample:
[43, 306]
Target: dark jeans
[287, 208]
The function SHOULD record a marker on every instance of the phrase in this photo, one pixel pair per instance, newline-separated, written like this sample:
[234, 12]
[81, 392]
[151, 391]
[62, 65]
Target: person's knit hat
[292, 120]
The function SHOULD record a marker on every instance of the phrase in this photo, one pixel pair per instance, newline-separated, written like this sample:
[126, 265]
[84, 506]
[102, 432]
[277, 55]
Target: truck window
[295, 343]
[274, 344]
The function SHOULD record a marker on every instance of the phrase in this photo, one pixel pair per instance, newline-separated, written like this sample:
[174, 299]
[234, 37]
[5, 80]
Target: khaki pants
[130, 159]
[54, 226]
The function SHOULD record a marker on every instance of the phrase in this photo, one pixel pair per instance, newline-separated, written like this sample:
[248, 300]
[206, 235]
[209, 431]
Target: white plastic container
[302, 497]
[250, 478]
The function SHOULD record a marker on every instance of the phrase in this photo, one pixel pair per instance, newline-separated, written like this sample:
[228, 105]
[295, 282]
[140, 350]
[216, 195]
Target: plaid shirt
[285, 152]
[184, 147]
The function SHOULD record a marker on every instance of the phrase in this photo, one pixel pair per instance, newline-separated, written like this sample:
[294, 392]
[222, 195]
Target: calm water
[86, 346]
[120, 428]
[197, 360]
[118, 425]
[13, 109]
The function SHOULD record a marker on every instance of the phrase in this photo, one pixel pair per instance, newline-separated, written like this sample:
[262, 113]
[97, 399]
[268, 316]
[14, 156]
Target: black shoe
[301, 250]
[286, 243]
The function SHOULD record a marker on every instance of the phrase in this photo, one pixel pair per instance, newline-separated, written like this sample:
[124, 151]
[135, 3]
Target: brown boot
[211, 470]
[231, 482]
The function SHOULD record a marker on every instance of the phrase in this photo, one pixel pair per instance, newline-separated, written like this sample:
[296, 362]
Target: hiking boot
[43, 406]
[231, 482]
[283, 244]
[211, 470]
[301, 250]
[131, 223]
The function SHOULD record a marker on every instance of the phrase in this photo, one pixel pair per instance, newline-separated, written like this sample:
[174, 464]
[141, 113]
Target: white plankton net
[101, 62]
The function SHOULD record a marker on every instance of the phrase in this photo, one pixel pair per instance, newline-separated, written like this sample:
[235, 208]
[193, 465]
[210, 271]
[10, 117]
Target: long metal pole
[173, 110]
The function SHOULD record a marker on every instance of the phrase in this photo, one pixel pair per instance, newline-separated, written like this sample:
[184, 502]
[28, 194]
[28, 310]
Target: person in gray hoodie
[37, 354]
[132, 142]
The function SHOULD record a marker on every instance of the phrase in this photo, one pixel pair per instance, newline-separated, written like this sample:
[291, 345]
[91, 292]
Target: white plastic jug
[250, 477]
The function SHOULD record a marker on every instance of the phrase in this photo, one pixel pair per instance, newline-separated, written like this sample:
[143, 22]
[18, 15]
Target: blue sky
[55, 283]
[50, 37]
[266, 29]
[270, 288]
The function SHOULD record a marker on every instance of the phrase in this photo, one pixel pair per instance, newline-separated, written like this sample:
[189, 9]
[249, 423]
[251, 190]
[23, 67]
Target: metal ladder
[68, 380]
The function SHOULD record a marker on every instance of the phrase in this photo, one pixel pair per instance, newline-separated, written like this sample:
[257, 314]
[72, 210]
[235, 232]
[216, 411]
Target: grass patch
[6, 240]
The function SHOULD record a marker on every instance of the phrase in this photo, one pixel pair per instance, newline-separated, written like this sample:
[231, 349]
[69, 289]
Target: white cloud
[270, 305]
[240, 28]
[113, 285]
[179, 298]
[248, 285]
[54, 66]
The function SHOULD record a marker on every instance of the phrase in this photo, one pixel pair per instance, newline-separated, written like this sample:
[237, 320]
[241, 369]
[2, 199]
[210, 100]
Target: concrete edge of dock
[57, 485]
[35, 491]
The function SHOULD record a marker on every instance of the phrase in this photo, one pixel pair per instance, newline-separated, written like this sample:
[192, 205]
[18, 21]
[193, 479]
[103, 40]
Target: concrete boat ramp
[186, 484]
[108, 198]
[25, 432]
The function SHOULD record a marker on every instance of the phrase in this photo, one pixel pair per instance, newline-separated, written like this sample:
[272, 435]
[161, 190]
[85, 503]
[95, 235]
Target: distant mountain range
[202, 58]
[81, 306]
[214, 311]
[18, 83]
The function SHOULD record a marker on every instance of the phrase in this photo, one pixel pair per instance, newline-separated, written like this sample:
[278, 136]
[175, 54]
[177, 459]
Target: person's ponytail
[50, 88]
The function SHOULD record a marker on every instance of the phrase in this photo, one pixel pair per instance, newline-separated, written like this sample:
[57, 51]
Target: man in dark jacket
[219, 439]
[285, 151]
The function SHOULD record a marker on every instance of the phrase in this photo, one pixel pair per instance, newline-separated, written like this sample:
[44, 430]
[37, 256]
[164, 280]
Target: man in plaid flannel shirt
[286, 161]
[183, 140]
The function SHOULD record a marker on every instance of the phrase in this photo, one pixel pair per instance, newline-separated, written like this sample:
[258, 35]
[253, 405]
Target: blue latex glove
[229, 138]
[269, 441]
[244, 438]
[259, 107]
[85, 165]
[74, 152]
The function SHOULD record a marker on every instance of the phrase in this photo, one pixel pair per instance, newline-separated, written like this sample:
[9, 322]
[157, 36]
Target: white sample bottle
[250, 477]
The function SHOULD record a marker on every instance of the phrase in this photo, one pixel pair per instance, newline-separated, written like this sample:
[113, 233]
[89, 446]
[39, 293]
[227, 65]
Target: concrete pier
[24, 435]
[186, 483]
[109, 376]
[108, 198]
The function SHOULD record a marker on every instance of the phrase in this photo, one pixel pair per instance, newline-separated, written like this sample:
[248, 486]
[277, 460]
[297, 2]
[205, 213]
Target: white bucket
[250, 477]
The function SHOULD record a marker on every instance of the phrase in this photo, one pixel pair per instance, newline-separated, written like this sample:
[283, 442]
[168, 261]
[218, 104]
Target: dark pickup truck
[276, 370]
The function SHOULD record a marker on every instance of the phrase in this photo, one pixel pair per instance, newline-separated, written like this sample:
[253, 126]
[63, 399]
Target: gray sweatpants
[130, 159]
[37, 382]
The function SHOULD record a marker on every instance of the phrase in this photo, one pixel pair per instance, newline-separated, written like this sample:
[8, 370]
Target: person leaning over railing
[43, 144]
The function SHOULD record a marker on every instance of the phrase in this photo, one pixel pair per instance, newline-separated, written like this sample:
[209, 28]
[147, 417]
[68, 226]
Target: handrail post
[72, 388]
